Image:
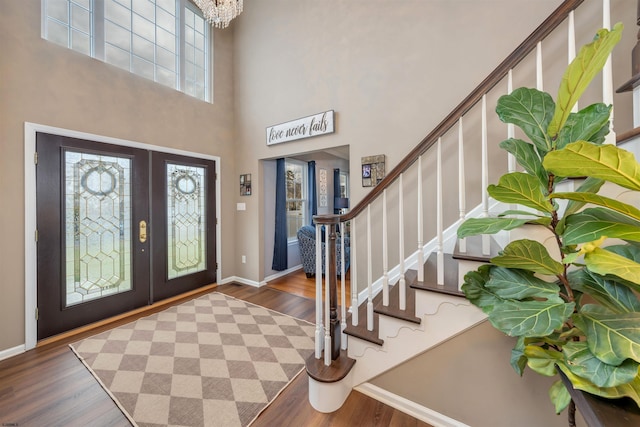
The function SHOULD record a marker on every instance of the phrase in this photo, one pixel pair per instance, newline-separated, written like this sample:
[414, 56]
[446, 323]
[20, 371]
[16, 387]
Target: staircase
[407, 264]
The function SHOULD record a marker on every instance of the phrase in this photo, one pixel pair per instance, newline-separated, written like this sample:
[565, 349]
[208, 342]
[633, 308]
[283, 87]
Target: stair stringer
[443, 317]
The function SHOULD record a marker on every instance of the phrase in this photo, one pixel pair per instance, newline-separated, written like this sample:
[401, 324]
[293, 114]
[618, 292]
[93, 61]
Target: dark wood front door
[116, 233]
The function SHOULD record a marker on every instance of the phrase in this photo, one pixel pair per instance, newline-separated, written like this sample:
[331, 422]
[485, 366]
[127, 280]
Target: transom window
[167, 41]
[296, 184]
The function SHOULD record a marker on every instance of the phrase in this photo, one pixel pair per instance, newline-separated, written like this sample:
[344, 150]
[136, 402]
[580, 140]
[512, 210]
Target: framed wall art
[372, 170]
[245, 184]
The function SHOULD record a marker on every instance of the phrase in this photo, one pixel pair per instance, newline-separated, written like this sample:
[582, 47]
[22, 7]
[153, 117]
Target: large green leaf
[589, 61]
[527, 157]
[475, 226]
[606, 202]
[631, 389]
[475, 291]
[528, 255]
[583, 363]
[510, 283]
[531, 110]
[593, 223]
[612, 337]
[559, 396]
[590, 185]
[521, 188]
[542, 361]
[530, 318]
[604, 262]
[615, 296]
[606, 162]
[518, 359]
[589, 124]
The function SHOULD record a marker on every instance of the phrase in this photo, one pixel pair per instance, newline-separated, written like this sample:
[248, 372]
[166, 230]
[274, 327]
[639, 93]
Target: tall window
[167, 41]
[296, 182]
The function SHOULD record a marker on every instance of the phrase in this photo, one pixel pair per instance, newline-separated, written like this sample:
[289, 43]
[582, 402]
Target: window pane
[58, 9]
[80, 42]
[117, 57]
[142, 68]
[58, 33]
[84, 3]
[143, 48]
[116, 13]
[166, 59]
[143, 28]
[167, 40]
[166, 20]
[168, 5]
[117, 36]
[81, 19]
[166, 77]
[145, 8]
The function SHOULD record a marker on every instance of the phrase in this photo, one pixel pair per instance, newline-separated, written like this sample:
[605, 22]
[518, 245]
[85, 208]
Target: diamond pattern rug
[212, 361]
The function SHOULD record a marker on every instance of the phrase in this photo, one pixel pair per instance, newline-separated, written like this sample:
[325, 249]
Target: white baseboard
[10, 352]
[237, 279]
[409, 407]
[280, 274]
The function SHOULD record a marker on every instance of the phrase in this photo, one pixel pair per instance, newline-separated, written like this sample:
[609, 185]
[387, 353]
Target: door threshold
[121, 319]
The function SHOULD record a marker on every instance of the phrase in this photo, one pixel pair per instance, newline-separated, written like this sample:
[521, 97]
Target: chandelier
[219, 12]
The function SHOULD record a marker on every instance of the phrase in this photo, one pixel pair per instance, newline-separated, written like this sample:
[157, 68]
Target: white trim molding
[409, 407]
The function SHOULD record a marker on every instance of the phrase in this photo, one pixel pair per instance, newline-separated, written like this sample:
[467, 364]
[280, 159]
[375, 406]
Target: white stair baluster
[354, 275]
[402, 282]
[571, 43]
[607, 75]
[369, 273]
[385, 252]
[461, 183]
[420, 231]
[485, 174]
[539, 82]
[327, 301]
[439, 221]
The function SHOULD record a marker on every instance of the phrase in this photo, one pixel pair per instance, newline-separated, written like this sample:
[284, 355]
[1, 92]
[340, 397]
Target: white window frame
[304, 199]
[97, 42]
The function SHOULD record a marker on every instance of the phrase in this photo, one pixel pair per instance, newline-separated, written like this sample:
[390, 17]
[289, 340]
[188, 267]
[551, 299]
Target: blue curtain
[280, 240]
[336, 188]
[313, 195]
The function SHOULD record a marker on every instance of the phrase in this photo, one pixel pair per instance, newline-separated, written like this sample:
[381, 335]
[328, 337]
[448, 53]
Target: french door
[118, 228]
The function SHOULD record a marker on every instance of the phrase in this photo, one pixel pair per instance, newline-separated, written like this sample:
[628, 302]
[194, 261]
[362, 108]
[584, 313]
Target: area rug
[212, 361]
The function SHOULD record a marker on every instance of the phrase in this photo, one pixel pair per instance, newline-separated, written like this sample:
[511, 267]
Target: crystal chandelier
[219, 12]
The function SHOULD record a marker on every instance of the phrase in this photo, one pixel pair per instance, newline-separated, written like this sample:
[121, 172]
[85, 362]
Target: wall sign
[306, 127]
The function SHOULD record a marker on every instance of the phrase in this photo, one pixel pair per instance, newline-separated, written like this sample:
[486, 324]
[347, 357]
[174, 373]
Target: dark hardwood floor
[49, 386]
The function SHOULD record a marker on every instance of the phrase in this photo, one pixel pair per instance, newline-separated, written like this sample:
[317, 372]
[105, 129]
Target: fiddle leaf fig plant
[573, 303]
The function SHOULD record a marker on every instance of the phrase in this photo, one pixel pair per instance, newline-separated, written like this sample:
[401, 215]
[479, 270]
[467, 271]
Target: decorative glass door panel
[186, 220]
[98, 226]
[183, 204]
[92, 260]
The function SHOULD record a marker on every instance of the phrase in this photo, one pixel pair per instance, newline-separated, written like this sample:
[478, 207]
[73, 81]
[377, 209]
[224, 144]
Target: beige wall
[43, 83]
[390, 70]
[469, 379]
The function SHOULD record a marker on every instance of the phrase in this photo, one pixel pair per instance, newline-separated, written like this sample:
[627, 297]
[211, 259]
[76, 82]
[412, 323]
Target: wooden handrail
[526, 47]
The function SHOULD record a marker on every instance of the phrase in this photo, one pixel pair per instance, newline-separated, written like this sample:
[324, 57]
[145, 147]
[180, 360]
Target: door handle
[143, 231]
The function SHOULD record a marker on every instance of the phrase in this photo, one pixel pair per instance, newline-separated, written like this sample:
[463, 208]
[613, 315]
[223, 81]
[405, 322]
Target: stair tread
[393, 309]
[338, 369]
[361, 330]
[430, 282]
[474, 249]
